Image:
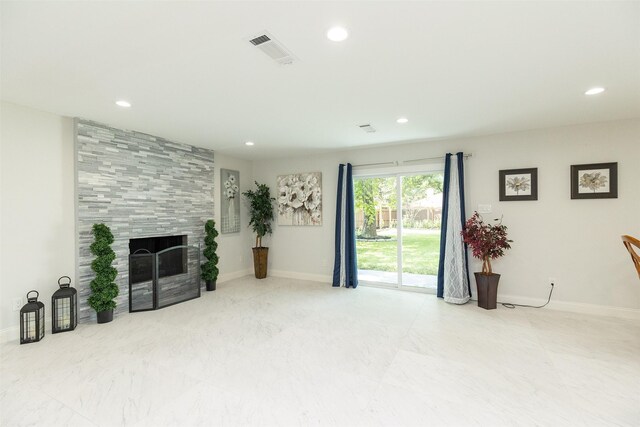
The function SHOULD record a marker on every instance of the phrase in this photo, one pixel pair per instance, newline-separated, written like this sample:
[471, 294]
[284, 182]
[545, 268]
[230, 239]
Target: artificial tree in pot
[261, 215]
[103, 288]
[487, 242]
[209, 269]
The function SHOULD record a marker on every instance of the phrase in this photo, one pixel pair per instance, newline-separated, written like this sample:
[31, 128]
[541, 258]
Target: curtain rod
[404, 162]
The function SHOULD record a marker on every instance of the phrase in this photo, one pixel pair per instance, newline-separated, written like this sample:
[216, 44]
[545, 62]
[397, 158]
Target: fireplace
[163, 271]
[175, 262]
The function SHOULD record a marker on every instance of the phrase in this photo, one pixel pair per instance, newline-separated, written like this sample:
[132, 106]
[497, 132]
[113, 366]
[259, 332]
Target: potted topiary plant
[487, 242]
[261, 214]
[103, 288]
[209, 268]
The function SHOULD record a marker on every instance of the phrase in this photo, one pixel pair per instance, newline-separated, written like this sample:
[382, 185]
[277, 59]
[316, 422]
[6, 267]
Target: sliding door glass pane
[376, 229]
[421, 215]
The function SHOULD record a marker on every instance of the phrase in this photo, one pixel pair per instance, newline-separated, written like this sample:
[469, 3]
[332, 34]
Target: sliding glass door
[420, 244]
[398, 229]
[376, 229]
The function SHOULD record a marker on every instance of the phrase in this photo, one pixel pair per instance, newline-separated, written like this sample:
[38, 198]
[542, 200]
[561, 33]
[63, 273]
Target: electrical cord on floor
[510, 305]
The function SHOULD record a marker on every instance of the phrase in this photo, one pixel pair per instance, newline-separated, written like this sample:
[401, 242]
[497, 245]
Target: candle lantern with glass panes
[32, 319]
[64, 307]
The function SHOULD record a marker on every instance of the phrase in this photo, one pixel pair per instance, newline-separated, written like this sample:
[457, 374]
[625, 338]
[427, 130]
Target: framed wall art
[229, 201]
[594, 181]
[300, 199]
[518, 184]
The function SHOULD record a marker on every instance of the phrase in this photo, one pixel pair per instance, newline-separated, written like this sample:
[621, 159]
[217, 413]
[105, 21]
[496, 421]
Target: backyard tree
[387, 194]
[415, 188]
[366, 192]
[371, 194]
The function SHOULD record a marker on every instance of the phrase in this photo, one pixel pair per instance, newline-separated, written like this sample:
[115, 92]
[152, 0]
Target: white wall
[575, 241]
[37, 223]
[234, 249]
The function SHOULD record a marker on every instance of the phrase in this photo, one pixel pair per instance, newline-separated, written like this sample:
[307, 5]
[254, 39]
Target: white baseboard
[301, 276]
[9, 334]
[575, 307]
[233, 275]
[12, 333]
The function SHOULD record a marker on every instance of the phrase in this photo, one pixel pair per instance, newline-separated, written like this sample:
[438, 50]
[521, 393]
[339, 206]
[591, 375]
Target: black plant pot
[487, 290]
[211, 285]
[105, 316]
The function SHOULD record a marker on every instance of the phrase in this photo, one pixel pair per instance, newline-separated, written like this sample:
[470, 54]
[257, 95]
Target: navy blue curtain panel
[345, 270]
[338, 260]
[453, 268]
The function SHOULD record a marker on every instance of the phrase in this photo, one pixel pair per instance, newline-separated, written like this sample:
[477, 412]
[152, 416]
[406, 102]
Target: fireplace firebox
[163, 271]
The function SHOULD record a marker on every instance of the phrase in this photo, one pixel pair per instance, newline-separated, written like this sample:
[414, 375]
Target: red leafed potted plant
[487, 242]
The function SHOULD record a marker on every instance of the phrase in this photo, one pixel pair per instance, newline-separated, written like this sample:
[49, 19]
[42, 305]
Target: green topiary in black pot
[103, 288]
[209, 269]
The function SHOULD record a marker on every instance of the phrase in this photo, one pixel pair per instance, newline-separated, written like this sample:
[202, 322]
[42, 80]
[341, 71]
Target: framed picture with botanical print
[518, 184]
[594, 181]
[229, 201]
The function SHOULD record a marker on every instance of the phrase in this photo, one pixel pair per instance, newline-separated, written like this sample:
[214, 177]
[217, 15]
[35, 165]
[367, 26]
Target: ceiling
[454, 69]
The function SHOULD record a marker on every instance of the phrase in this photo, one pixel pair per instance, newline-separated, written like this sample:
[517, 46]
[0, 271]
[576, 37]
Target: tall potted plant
[103, 288]
[261, 215]
[209, 268]
[487, 242]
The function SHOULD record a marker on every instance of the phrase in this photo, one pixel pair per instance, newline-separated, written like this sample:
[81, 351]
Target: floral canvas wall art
[229, 201]
[300, 199]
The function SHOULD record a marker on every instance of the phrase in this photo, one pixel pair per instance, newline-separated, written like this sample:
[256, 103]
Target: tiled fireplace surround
[140, 186]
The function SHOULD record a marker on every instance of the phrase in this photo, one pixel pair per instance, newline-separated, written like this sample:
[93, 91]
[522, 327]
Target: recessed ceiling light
[122, 103]
[249, 143]
[402, 120]
[594, 91]
[337, 34]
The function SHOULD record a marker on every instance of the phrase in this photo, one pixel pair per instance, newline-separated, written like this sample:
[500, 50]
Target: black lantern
[64, 307]
[32, 320]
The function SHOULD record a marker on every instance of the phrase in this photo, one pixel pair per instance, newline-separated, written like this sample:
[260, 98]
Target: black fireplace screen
[163, 278]
[175, 262]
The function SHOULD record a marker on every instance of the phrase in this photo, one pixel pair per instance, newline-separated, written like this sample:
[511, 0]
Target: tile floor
[285, 352]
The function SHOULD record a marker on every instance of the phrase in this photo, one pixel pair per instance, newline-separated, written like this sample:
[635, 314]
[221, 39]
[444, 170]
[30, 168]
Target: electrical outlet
[552, 281]
[484, 208]
[17, 304]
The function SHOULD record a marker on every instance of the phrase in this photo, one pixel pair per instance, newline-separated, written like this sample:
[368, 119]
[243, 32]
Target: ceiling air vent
[367, 128]
[259, 40]
[272, 48]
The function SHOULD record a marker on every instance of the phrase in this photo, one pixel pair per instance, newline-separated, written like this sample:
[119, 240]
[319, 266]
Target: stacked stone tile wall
[140, 186]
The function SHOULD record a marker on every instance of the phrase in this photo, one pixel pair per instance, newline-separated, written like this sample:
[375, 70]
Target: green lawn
[420, 253]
